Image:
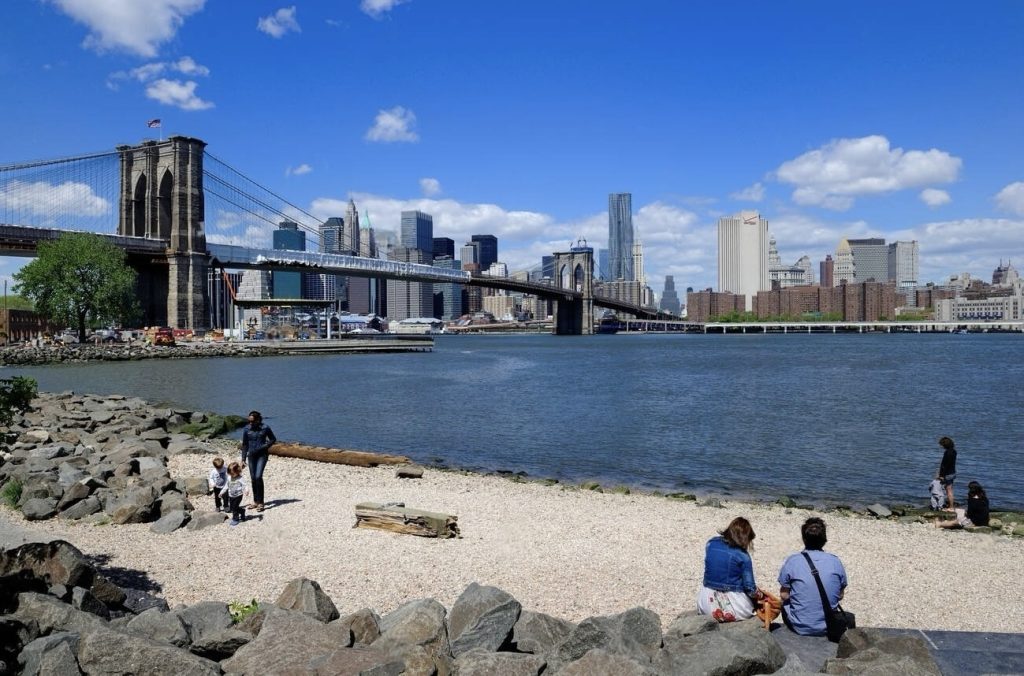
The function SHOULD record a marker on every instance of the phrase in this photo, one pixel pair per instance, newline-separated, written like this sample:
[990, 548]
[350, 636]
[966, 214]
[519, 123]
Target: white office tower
[497, 269]
[842, 270]
[903, 265]
[743, 255]
[255, 285]
[804, 263]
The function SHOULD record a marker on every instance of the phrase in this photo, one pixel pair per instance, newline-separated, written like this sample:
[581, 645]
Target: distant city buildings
[620, 237]
[487, 250]
[826, 270]
[417, 231]
[669, 297]
[289, 237]
[743, 255]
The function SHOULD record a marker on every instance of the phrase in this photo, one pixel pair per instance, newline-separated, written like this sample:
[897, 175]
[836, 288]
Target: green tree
[78, 279]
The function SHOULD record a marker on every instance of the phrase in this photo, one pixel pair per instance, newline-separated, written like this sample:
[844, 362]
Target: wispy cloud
[281, 22]
[430, 187]
[378, 8]
[136, 26]
[393, 125]
[1011, 198]
[835, 174]
[934, 197]
[300, 170]
[752, 193]
[176, 93]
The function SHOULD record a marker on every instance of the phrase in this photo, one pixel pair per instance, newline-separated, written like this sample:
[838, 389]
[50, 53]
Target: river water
[828, 419]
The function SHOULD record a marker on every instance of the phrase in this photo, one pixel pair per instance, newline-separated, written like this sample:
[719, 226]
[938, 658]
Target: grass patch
[10, 494]
[239, 610]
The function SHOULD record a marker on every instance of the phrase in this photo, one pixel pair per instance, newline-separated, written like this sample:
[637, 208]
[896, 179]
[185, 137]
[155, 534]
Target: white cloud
[186, 65]
[137, 26]
[1011, 198]
[430, 187]
[280, 23]
[752, 193]
[300, 170]
[843, 169]
[42, 199]
[934, 197]
[378, 8]
[176, 93]
[395, 124]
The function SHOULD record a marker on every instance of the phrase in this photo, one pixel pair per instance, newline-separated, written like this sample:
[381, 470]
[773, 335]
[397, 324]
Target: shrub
[10, 494]
[239, 610]
[16, 395]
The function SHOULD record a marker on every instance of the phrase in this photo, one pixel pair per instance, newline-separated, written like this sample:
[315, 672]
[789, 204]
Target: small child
[233, 490]
[218, 479]
[938, 492]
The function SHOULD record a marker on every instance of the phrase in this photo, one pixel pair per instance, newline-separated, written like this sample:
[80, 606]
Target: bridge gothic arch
[575, 272]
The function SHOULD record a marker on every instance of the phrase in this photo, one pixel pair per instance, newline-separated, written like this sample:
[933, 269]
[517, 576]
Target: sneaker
[233, 522]
[259, 507]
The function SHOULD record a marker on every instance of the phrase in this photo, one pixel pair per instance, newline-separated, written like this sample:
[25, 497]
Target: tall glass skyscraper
[620, 236]
[488, 250]
[418, 231]
[288, 236]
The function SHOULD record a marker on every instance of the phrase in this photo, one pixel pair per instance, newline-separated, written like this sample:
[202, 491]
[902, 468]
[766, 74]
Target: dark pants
[218, 501]
[257, 463]
[237, 511]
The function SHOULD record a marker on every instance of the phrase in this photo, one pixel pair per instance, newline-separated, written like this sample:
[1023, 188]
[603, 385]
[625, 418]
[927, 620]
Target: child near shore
[233, 491]
[218, 479]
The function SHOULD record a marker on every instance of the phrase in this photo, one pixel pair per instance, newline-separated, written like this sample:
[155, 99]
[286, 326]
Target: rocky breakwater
[59, 614]
[24, 355]
[103, 459]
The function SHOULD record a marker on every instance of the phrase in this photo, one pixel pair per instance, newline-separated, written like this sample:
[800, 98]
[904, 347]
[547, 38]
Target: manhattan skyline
[519, 119]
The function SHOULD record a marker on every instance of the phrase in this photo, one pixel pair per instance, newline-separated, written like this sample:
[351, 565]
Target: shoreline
[565, 551]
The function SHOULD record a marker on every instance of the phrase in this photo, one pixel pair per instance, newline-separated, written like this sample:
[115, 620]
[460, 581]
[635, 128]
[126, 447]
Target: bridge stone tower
[575, 270]
[162, 198]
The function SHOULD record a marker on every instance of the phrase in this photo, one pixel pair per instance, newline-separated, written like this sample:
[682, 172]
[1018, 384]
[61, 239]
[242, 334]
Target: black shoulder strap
[826, 606]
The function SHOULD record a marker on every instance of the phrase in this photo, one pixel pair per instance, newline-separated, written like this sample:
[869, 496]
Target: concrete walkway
[956, 652]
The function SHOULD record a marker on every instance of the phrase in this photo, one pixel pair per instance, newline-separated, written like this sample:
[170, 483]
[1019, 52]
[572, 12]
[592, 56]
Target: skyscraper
[350, 236]
[331, 235]
[826, 269]
[669, 297]
[620, 236]
[288, 236]
[743, 255]
[444, 246]
[903, 267]
[488, 249]
[870, 259]
[447, 295]
[410, 299]
[418, 231]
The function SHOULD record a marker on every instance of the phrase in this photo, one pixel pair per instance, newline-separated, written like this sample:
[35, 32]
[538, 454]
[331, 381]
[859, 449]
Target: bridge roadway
[19, 240]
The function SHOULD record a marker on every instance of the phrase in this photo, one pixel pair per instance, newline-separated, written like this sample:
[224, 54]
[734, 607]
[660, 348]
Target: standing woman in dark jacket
[257, 439]
[947, 469]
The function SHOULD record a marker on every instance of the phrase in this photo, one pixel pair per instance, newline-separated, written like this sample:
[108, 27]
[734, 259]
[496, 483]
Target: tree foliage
[80, 279]
[15, 396]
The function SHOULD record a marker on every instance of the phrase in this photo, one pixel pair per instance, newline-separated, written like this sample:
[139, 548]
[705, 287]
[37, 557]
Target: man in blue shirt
[802, 610]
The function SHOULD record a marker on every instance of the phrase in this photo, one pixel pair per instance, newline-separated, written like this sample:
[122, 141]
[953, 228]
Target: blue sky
[901, 120]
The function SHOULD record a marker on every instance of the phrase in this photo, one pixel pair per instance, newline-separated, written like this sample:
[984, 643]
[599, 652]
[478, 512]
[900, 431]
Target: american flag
[153, 123]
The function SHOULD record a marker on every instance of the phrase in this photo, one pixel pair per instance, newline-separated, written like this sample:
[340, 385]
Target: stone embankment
[63, 615]
[25, 355]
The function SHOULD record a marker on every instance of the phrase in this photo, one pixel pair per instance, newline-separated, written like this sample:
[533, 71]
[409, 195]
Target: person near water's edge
[947, 469]
[257, 439]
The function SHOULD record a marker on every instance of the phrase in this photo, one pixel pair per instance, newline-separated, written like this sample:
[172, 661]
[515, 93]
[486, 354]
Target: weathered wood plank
[337, 456]
[399, 519]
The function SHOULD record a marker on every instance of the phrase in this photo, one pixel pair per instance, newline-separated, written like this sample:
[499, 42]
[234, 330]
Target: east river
[833, 419]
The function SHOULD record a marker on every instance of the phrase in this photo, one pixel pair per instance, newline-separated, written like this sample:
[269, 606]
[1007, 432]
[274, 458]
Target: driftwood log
[337, 456]
[399, 519]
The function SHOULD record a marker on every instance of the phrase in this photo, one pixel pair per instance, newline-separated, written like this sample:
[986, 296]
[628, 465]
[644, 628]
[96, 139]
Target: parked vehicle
[163, 336]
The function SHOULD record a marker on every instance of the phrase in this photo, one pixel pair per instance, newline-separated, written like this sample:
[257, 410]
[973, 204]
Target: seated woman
[729, 590]
[976, 513]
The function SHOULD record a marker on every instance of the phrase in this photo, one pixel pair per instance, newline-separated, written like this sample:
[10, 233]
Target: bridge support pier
[186, 290]
[574, 270]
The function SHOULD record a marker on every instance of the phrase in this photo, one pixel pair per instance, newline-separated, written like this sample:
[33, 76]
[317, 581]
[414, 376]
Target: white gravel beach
[558, 550]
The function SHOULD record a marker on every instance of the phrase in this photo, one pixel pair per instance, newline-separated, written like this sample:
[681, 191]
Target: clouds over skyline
[136, 26]
[833, 175]
[1011, 198]
[170, 91]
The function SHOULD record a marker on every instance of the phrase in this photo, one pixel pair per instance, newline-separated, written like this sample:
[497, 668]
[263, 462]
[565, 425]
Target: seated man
[802, 610]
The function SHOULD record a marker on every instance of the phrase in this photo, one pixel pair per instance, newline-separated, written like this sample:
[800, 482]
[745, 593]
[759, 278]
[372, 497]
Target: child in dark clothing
[233, 491]
[217, 479]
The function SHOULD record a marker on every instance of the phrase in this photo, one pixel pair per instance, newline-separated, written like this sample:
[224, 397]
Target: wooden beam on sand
[398, 519]
[337, 456]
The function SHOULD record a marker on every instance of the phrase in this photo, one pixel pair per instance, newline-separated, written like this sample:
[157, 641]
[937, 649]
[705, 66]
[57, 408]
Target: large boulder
[201, 520]
[84, 600]
[74, 493]
[105, 651]
[83, 508]
[170, 522]
[479, 662]
[306, 596]
[55, 562]
[598, 662]
[539, 633]
[287, 639]
[364, 626]
[138, 601]
[869, 651]
[635, 633]
[688, 624]
[51, 614]
[160, 626]
[416, 623]
[739, 648]
[220, 645]
[204, 619]
[15, 634]
[357, 660]
[482, 617]
[39, 509]
[53, 654]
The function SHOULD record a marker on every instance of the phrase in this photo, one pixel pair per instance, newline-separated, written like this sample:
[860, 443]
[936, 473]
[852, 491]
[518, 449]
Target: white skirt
[725, 606]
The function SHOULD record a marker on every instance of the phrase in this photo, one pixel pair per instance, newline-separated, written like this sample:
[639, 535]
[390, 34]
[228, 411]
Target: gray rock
[173, 501]
[55, 562]
[105, 651]
[869, 651]
[221, 644]
[170, 522]
[745, 648]
[539, 633]
[82, 509]
[688, 624]
[158, 435]
[59, 591]
[287, 639]
[53, 654]
[364, 626]
[635, 633]
[35, 436]
[101, 417]
[881, 511]
[409, 472]
[794, 667]
[478, 662]
[15, 634]
[205, 618]
[138, 601]
[482, 617]
[177, 447]
[160, 626]
[86, 602]
[38, 509]
[357, 660]
[76, 492]
[712, 502]
[196, 486]
[416, 623]
[306, 596]
[107, 592]
[52, 615]
[201, 520]
[598, 662]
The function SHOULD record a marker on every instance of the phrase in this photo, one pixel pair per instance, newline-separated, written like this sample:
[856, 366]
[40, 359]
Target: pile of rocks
[59, 614]
[50, 354]
[99, 459]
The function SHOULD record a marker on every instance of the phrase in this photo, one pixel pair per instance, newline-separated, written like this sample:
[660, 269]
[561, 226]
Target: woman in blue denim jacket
[729, 590]
[257, 439]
